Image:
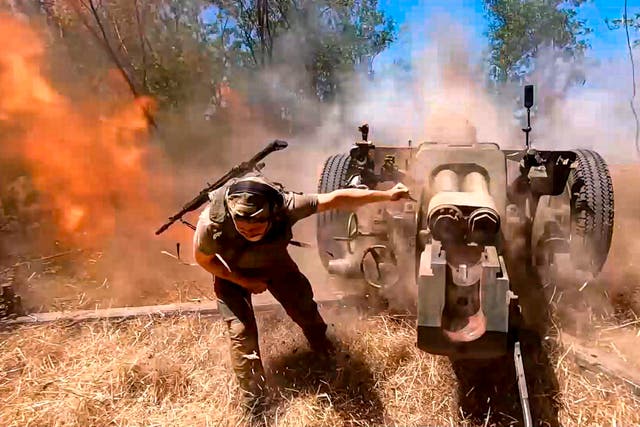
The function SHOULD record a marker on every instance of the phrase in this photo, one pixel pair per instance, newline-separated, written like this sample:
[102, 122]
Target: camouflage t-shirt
[254, 257]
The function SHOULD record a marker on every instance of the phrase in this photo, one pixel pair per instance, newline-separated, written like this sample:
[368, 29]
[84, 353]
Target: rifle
[235, 172]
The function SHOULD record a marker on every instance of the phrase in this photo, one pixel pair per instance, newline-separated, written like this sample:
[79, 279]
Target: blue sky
[419, 15]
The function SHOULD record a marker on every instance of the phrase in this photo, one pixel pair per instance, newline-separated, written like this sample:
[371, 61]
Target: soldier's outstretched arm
[353, 198]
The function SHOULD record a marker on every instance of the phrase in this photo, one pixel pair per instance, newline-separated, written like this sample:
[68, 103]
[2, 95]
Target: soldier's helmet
[252, 202]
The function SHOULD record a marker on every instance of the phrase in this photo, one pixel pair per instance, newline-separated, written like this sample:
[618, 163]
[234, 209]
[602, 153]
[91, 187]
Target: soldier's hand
[399, 191]
[256, 286]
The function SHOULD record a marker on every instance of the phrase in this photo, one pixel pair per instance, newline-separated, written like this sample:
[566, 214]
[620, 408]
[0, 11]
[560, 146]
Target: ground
[175, 371]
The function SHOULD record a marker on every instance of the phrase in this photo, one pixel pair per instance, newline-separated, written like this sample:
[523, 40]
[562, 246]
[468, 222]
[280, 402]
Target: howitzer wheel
[332, 223]
[588, 207]
[592, 211]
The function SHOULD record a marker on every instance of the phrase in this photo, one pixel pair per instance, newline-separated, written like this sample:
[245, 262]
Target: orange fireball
[90, 162]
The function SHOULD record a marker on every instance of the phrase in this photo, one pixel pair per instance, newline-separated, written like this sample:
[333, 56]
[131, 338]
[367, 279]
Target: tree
[627, 23]
[357, 34]
[197, 52]
[336, 37]
[162, 48]
[520, 29]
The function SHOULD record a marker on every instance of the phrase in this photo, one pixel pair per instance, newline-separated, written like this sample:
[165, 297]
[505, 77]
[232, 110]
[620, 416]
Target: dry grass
[592, 400]
[175, 372]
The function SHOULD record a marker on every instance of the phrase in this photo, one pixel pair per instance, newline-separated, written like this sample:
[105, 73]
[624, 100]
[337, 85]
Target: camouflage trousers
[293, 291]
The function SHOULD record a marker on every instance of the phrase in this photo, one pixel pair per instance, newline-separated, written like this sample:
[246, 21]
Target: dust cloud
[110, 183]
[442, 98]
[578, 106]
[595, 114]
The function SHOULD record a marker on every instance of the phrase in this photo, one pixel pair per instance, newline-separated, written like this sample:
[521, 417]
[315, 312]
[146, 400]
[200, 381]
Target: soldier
[241, 238]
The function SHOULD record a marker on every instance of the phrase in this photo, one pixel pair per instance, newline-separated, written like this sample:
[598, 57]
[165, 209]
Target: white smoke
[579, 103]
[594, 115]
[441, 98]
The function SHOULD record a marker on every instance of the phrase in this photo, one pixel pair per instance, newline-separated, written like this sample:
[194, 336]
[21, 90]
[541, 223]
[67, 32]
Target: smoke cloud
[110, 177]
[578, 106]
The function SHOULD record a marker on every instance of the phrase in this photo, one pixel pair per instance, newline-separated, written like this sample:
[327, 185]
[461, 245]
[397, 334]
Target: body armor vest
[235, 249]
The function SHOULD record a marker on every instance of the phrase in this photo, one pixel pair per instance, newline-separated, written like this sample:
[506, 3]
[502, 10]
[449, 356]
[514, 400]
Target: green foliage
[633, 24]
[160, 45]
[169, 51]
[334, 37]
[519, 29]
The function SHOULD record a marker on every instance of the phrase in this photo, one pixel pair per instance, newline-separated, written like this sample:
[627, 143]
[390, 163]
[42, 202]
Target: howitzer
[235, 172]
[491, 227]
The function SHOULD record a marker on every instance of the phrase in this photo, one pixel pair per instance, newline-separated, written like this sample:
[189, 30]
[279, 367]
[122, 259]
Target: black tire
[332, 223]
[592, 216]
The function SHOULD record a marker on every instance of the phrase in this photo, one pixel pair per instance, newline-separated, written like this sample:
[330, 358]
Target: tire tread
[592, 206]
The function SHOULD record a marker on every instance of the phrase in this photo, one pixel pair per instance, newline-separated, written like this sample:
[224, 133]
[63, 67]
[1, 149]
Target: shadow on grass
[489, 389]
[344, 382]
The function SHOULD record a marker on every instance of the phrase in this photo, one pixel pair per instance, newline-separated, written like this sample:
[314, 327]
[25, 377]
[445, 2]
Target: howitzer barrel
[461, 208]
[446, 180]
[447, 223]
[474, 182]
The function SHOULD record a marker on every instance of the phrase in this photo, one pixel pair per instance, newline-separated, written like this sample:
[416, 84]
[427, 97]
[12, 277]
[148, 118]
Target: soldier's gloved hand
[399, 191]
[256, 286]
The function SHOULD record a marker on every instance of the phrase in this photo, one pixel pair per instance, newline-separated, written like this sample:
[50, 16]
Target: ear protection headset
[273, 195]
